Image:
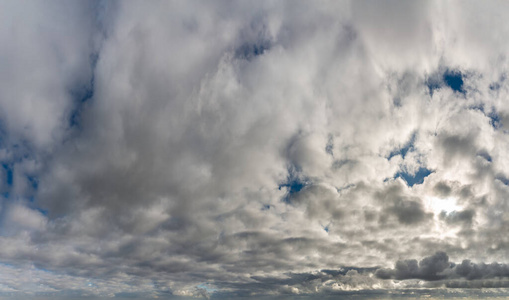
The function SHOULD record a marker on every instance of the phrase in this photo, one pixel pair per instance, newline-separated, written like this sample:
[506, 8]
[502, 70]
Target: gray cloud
[232, 149]
[428, 268]
[438, 267]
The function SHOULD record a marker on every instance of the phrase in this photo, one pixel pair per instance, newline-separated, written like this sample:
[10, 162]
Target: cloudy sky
[259, 149]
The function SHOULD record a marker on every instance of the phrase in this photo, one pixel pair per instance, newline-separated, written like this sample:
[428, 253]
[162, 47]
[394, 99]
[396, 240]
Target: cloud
[48, 62]
[428, 268]
[242, 149]
[437, 267]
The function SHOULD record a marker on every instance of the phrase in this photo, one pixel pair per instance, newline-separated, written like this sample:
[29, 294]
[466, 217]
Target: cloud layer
[224, 149]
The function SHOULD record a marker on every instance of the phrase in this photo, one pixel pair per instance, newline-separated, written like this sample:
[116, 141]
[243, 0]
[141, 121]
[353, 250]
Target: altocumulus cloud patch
[253, 150]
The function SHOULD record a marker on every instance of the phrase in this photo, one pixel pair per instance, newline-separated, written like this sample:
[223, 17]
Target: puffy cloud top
[232, 149]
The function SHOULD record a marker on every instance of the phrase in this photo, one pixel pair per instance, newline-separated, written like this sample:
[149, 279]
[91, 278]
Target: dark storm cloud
[434, 270]
[428, 268]
[437, 267]
[471, 271]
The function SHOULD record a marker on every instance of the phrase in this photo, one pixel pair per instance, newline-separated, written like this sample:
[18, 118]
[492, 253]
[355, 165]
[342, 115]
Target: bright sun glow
[437, 205]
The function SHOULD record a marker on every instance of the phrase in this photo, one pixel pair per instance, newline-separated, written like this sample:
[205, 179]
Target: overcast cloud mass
[260, 149]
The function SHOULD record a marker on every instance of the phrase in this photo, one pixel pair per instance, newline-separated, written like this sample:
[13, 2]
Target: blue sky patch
[34, 182]
[329, 148]
[293, 184]
[339, 163]
[485, 155]
[450, 78]
[206, 287]
[266, 207]
[433, 85]
[495, 121]
[83, 94]
[397, 101]
[42, 211]
[417, 178]
[409, 146]
[249, 51]
[495, 86]
[493, 115]
[344, 188]
[8, 174]
[454, 80]
[502, 179]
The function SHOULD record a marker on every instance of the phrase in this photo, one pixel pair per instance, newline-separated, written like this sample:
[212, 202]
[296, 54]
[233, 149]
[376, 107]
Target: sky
[254, 149]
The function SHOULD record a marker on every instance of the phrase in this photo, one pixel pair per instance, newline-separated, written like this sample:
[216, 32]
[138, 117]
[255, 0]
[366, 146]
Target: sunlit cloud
[253, 149]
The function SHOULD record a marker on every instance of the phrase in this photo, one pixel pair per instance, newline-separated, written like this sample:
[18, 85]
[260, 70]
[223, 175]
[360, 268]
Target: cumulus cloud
[437, 267]
[428, 268]
[231, 149]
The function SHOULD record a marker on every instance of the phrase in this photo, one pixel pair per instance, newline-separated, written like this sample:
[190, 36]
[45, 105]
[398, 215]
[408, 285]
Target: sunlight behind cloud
[438, 205]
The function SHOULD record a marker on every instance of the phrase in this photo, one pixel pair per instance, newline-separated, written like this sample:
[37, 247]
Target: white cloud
[224, 143]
